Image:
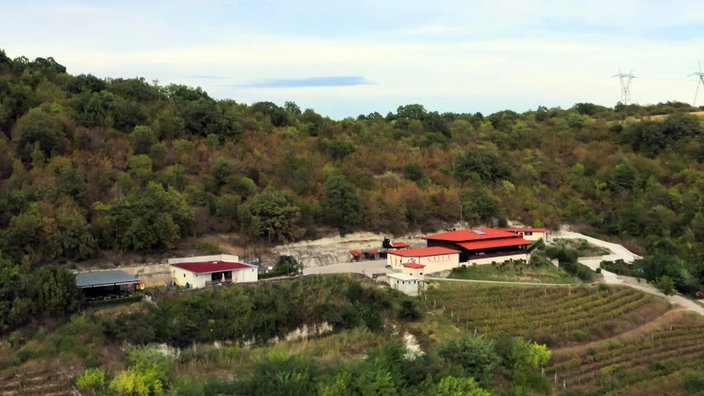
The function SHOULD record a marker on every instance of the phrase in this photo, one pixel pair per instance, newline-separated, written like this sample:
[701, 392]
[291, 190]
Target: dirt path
[620, 252]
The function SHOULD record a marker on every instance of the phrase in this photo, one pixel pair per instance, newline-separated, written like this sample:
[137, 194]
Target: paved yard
[360, 267]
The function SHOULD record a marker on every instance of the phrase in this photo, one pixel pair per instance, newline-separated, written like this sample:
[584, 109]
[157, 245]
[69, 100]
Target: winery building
[202, 271]
[485, 245]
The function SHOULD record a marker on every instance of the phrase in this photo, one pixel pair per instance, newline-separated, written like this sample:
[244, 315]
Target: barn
[202, 271]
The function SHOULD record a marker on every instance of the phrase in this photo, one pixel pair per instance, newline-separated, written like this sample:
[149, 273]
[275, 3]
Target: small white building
[414, 269]
[531, 233]
[408, 284]
[201, 271]
[435, 259]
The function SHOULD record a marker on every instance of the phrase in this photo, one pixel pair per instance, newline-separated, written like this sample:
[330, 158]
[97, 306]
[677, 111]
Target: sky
[346, 58]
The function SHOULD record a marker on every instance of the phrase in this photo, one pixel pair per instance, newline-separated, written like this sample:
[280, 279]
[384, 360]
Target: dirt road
[620, 252]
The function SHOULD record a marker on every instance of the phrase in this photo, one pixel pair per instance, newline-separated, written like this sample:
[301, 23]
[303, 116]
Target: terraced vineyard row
[36, 381]
[660, 359]
[556, 315]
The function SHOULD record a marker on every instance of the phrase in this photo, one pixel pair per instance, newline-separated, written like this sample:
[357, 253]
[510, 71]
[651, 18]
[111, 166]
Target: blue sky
[345, 58]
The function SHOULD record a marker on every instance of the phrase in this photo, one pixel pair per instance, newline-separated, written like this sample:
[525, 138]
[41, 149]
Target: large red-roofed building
[201, 271]
[487, 245]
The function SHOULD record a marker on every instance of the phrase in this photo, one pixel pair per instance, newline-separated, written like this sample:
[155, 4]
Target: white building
[201, 271]
[405, 283]
[531, 233]
[413, 269]
[435, 259]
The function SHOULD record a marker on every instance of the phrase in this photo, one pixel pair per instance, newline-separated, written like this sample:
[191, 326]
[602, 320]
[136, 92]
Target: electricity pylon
[625, 79]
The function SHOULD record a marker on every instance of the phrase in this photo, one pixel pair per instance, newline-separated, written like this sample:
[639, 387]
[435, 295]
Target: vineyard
[556, 316]
[605, 340]
[38, 380]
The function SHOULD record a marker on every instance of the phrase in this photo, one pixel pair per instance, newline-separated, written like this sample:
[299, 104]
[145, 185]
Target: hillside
[122, 170]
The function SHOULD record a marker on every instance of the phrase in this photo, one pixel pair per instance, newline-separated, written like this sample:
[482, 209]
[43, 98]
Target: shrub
[694, 381]
[92, 381]
[666, 285]
[665, 366]
[581, 336]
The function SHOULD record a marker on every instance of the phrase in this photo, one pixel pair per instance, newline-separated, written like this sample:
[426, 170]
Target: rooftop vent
[479, 232]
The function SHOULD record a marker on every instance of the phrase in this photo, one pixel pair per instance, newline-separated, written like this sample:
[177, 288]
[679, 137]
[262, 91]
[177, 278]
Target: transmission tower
[625, 79]
[699, 74]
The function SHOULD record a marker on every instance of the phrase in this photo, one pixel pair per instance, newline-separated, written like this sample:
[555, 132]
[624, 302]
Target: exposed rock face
[336, 249]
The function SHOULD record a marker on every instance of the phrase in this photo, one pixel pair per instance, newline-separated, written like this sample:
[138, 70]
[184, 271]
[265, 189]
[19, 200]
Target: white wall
[501, 259]
[418, 272]
[245, 275]
[182, 276]
[534, 236]
[407, 286]
[432, 264]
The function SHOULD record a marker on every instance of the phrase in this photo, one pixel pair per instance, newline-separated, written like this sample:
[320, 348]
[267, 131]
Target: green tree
[488, 165]
[77, 241]
[666, 285]
[148, 218]
[272, 215]
[414, 171]
[480, 205]
[14, 304]
[43, 130]
[142, 138]
[53, 292]
[140, 168]
[340, 206]
[475, 355]
[454, 386]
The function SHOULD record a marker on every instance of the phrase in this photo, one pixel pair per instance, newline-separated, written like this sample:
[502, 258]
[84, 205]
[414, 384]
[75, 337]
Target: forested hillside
[128, 165]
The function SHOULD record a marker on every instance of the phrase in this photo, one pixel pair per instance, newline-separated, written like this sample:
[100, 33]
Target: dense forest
[122, 164]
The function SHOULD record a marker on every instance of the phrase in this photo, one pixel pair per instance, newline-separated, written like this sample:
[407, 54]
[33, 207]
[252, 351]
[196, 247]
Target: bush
[694, 381]
[581, 336]
[666, 285]
[92, 381]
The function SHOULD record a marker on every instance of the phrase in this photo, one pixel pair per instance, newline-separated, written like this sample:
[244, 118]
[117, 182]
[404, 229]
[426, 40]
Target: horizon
[343, 60]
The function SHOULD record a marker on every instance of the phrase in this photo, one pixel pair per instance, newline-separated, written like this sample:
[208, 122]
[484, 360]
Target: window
[184, 275]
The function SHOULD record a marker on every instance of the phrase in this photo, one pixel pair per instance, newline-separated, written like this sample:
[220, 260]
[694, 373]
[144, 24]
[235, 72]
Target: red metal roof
[422, 252]
[494, 243]
[399, 245]
[413, 265]
[211, 266]
[356, 252]
[471, 235]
